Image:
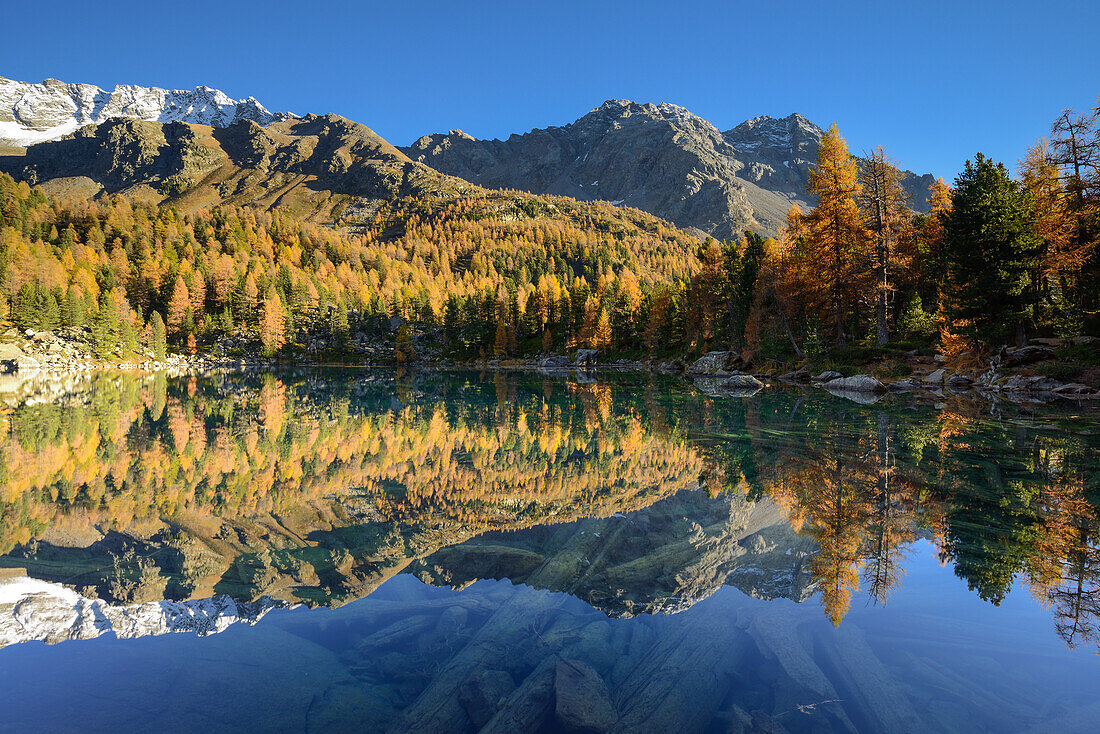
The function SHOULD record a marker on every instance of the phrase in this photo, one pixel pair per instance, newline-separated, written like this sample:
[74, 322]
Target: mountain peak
[32, 113]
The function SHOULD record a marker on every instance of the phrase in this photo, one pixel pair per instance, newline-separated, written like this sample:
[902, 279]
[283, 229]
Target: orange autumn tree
[836, 230]
[273, 323]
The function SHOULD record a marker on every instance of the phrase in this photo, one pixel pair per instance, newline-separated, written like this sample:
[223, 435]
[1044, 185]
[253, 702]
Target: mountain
[660, 158]
[31, 609]
[318, 166]
[661, 559]
[32, 113]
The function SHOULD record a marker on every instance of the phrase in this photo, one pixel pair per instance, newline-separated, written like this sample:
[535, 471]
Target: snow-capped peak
[32, 113]
[31, 609]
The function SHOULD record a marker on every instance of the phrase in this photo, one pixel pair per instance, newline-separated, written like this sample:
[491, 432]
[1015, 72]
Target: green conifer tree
[992, 251]
[159, 339]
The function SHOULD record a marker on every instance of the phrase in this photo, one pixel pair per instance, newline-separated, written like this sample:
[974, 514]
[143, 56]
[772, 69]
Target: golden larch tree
[836, 229]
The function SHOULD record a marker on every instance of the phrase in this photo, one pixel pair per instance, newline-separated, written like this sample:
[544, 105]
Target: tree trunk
[1021, 334]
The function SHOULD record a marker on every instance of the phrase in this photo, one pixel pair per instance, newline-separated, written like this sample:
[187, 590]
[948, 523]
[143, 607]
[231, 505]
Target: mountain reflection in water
[144, 506]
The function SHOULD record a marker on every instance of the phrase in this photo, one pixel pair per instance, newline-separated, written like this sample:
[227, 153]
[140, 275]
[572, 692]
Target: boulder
[1026, 383]
[13, 360]
[712, 362]
[586, 359]
[959, 380]
[1026, 355]
[583, 703]
[828, 375]
[935, 378]
[554, 364]
[741, 382]
[856, 383]
[802, 374]
[1053, 343]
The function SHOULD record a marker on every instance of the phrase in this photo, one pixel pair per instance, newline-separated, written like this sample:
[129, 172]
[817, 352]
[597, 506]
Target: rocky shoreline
[55, 363]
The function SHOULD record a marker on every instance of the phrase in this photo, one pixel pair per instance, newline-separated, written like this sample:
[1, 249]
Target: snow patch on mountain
[32, 113]
[31, 609]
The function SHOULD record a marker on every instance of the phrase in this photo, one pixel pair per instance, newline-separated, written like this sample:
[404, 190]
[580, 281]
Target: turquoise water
[479, 552]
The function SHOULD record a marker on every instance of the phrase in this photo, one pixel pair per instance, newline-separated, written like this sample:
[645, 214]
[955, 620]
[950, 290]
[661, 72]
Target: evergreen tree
[159, 341]
[72, 311]
[24, 311]
[748, 272]
[105, 328]
[992, 253]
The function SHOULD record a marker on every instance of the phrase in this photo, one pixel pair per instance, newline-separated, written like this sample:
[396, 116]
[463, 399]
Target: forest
[998, 259]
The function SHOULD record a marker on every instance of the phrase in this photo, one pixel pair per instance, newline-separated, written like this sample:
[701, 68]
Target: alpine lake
[336, 549]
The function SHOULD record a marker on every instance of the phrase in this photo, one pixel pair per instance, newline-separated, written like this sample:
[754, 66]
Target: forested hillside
[434, 261]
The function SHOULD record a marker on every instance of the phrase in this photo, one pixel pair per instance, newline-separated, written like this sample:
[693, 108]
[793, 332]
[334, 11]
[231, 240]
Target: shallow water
[344, 550]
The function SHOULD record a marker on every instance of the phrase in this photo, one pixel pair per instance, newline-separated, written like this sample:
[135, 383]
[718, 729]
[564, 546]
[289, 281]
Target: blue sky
[932, 81]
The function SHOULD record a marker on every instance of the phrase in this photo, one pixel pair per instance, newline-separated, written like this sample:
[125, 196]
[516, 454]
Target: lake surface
[345, 550]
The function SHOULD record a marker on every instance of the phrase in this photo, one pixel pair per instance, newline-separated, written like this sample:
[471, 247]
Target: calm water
[334, 550]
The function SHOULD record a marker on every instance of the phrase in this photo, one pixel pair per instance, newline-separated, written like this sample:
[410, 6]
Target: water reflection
[635, 494]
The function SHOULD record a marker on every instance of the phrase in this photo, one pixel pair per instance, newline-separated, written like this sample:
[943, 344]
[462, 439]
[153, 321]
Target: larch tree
[1053, 222]
[272, 323]
[1075, 149]
[177, 306]
[885, 210]
[836, 229]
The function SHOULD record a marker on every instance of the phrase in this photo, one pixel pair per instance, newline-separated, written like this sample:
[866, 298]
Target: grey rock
[935, 378]
[1026, 355]
[554, 364]
[856, 383]
[741, 382]
[585, 358]
[959, 380]
[712, 363]
[827, 375]
[1026, 383]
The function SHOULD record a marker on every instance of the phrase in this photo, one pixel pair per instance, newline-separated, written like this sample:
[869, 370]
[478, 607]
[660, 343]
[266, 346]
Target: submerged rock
[583, 703]
[483, 695]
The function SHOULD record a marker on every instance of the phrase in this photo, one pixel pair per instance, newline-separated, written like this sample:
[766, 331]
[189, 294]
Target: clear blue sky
[933, 81]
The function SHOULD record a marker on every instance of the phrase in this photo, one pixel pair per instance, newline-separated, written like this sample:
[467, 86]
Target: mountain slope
[32, 113]
[659, 158]
[314, 165]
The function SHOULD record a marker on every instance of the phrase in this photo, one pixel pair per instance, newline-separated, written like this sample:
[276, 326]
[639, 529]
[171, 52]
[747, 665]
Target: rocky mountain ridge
[660, 158]
[318, 166]
[31, 609]
[33, 113]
